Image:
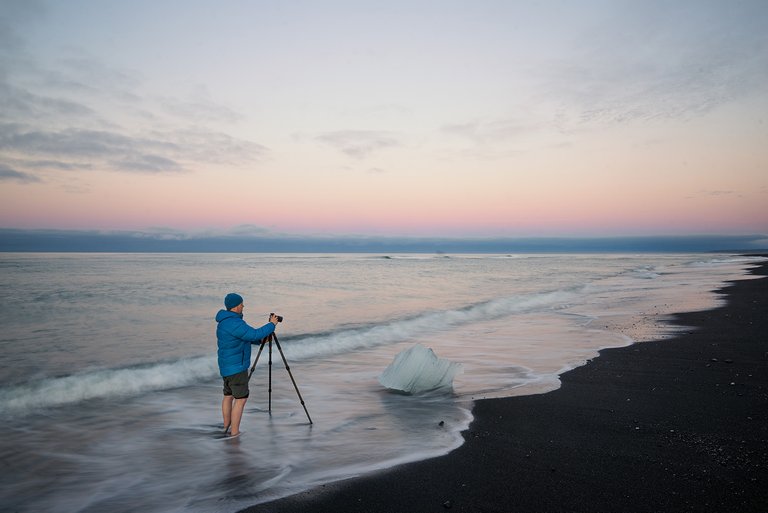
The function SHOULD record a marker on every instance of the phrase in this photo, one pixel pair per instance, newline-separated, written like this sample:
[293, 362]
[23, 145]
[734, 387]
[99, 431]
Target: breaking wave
[428, 322]
[137, 380]
[105, 383]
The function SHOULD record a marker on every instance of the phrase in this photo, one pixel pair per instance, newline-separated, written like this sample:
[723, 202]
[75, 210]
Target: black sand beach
[674, 425]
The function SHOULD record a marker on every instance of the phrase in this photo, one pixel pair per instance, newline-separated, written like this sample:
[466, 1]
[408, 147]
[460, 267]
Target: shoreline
[679, 424]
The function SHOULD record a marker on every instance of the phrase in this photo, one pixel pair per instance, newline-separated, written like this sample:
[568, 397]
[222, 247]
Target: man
[234, 355]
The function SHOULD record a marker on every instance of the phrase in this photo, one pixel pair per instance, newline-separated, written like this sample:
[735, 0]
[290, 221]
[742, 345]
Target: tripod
[266, 340]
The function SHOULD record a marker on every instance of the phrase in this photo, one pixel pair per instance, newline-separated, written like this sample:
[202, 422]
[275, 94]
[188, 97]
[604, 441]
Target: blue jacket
[234, 340]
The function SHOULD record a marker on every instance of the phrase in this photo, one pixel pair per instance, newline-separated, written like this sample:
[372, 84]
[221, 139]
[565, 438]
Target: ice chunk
[418, 369]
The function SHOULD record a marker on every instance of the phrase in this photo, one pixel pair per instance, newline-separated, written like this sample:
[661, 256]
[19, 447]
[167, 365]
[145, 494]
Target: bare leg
[237, 414]
[226, 411]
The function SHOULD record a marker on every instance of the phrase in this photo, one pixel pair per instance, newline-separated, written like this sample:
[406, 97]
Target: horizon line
[134, 241]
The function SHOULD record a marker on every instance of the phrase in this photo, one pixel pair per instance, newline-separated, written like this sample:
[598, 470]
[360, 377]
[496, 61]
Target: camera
[279, 317]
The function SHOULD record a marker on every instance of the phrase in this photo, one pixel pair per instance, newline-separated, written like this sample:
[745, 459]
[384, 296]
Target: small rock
[728, 360]
[447, 504]
[441, 423]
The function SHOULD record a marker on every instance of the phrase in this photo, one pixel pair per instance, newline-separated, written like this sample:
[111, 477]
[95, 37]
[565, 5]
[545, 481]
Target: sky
[449, 119]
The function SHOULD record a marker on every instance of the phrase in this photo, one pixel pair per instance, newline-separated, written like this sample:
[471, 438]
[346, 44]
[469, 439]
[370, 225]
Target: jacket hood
[226, 314]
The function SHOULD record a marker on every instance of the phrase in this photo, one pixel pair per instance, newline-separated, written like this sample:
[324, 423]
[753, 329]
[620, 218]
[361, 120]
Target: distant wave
[137, 380]
[646, 272]
[728, 260]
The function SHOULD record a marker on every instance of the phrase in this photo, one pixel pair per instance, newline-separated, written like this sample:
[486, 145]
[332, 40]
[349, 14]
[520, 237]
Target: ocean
[110, 395]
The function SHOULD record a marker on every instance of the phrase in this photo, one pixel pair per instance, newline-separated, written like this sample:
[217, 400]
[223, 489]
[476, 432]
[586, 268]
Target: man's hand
[273, 319]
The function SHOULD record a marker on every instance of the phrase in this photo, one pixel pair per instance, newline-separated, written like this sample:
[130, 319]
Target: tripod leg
[270, 374]
[285, 362]
[253, 367]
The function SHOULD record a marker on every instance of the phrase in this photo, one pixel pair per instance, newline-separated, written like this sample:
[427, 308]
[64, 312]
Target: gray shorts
[236, 385]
